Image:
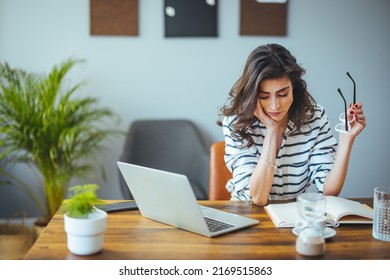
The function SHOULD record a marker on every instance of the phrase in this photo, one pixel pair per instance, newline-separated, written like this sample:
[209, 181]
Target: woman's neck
[283, 124]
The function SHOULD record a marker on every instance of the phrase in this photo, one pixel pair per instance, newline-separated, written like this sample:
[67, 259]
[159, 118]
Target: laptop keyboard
[215, 225]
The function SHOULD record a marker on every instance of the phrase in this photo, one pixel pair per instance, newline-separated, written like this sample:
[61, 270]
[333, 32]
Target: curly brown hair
[271, 61]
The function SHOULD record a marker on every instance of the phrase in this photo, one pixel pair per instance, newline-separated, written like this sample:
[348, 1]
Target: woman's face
[276, 98]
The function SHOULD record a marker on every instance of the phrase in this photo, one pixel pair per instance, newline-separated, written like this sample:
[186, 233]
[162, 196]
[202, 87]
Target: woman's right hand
[264, 118]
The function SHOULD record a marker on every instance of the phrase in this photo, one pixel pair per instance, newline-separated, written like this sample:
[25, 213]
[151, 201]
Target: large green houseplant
[43, 125]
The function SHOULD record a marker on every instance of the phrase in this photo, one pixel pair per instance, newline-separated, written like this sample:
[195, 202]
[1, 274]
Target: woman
[278, 140]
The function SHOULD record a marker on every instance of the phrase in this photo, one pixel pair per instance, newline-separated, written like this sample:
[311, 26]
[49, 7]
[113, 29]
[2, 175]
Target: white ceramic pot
[85, 236]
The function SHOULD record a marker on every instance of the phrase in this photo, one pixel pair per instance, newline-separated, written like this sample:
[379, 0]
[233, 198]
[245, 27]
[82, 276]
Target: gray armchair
[169, 145]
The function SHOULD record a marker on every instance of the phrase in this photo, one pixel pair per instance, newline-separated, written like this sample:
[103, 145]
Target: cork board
[114, 17]
[190, 18]
[263, 18]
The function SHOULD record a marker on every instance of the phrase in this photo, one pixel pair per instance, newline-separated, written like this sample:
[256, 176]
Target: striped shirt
[303, 159]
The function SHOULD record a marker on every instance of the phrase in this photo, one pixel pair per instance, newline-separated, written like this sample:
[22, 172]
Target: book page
[352, 211]
[339, 210]
[283, 214]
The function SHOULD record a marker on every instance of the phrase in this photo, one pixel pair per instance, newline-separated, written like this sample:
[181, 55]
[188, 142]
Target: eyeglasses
[345, 102]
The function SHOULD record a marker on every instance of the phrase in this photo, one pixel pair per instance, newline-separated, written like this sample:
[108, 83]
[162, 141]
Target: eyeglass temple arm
[354, 88]
[345, 110]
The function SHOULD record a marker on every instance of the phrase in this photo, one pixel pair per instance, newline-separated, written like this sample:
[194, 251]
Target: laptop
[168, 198]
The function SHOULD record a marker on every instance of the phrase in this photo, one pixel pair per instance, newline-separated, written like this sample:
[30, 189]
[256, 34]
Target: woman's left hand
[358, 119]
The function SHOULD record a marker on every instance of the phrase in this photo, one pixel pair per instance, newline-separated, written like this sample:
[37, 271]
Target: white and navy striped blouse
[303, 159]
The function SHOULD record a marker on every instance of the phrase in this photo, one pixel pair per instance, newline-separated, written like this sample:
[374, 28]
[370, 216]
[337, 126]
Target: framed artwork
[185, 18]
[114, 17]
[263, 17]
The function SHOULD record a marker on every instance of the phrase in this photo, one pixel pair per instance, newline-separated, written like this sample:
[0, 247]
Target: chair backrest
[219, 174]
[170, 145]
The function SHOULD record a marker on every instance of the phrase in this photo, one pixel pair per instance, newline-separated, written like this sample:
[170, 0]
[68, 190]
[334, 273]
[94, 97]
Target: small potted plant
[83, 222]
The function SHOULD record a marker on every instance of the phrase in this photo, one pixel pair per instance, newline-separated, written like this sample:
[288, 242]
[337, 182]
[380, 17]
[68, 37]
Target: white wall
[150, 76]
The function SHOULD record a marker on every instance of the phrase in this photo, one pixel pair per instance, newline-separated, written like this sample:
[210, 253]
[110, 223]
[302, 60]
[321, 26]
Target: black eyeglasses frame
[345, 102]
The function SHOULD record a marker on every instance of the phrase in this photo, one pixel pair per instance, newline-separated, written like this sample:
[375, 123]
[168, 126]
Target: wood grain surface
[131, 236]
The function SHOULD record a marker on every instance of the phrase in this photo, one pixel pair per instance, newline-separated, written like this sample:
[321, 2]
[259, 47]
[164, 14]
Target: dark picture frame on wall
[190, 18]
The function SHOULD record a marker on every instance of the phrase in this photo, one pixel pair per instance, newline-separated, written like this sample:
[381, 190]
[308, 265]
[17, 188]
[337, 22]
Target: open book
[338, 211]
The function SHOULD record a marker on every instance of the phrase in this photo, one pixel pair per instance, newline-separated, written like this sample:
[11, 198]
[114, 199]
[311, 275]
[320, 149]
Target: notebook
[168, 198]
[338, 211]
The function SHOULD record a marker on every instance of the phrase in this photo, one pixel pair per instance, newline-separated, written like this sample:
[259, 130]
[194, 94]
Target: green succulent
[83, 200]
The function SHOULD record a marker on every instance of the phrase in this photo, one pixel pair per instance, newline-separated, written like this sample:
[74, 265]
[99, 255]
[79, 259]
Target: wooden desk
[131, 236]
